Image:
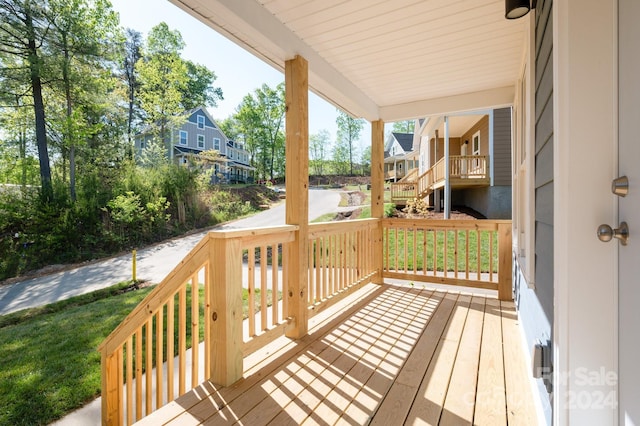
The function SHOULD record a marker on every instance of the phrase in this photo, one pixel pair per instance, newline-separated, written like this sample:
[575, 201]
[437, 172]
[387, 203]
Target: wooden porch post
[505, 272]
[225, 299]
[297, 187]
[447, 171]
[377, 193]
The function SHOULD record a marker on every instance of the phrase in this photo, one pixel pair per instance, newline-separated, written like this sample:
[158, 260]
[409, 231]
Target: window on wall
[216, 144]
[475, 144]
[141, 144]
[200, 122]
[183, 137]
[201, 141]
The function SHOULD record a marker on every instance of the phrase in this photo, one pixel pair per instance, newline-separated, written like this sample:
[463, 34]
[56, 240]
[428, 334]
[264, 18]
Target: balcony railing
[146, 362]
[464, 171]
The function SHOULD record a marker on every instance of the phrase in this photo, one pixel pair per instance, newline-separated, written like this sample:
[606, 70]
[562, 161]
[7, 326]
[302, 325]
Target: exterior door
[629, 208]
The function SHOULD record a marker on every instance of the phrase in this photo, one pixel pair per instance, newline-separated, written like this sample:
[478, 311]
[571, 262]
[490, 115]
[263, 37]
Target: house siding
[483, 126]
[501, 161]
[535, 304]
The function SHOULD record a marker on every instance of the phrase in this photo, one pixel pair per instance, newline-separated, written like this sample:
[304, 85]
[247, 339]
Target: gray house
[201, 133]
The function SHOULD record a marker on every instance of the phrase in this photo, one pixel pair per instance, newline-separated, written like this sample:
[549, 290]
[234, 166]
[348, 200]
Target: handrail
[473, 253]
[340, 260]
[211, 277]
[463, 167]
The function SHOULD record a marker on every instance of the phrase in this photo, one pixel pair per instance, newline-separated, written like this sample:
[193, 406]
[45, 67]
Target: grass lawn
[49, 363]
[396, 242]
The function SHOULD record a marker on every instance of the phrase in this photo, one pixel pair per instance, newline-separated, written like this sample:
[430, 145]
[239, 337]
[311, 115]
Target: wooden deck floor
[401, 355]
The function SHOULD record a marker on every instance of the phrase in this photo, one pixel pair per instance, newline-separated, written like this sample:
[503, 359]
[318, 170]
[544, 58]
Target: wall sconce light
[515, 9]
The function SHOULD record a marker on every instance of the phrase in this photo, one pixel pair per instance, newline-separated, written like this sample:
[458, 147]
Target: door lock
[606, 233]
[620, 186]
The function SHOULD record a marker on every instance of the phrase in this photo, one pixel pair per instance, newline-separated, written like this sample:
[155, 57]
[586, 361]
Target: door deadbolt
[620, 186]
[606, 233]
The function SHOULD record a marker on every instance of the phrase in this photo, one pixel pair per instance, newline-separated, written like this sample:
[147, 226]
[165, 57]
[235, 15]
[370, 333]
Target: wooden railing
[146, 361]
[462, 171]
[472, 253]
[340, 260]
[402, 191]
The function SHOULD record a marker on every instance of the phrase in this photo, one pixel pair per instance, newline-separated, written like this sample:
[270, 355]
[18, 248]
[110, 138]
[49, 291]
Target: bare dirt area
[458, 213]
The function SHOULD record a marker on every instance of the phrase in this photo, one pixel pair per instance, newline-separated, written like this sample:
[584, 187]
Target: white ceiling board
[380, 58]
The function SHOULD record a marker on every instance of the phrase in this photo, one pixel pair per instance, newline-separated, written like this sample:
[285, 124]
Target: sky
[238, 71]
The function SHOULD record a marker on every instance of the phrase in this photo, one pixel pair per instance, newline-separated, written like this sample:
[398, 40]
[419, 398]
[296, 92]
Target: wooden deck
[397, 355]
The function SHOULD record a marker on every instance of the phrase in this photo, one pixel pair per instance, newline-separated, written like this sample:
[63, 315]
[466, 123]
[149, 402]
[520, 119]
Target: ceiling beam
[251, 26]
[450, 105]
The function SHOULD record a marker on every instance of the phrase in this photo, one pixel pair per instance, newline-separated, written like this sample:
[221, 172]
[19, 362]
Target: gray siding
[502, 147]
[544, 158]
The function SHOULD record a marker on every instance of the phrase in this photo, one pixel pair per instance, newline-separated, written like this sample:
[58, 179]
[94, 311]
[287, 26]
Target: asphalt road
[153, 262]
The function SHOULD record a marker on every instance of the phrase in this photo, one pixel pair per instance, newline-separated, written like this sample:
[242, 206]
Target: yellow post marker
[133, 261]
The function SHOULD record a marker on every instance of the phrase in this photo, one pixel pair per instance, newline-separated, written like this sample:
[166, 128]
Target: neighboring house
[479, 161]
[400, 157]
[201, 133]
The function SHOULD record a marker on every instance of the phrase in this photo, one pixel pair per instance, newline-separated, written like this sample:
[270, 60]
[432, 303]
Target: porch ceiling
[383, 59]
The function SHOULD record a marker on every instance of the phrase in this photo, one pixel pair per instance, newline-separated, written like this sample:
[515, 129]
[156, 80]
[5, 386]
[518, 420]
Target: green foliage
[349, 129]
[228, 206]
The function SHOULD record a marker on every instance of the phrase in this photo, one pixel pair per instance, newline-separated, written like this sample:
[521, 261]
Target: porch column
[377, 193]
[297, 187]
[436, 192]
[447, 171]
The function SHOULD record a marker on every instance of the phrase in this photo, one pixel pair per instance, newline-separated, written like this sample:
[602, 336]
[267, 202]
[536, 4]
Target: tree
[260, 119]
[23, 28]
[349, 129]
[163, 79]
[318, 148]
[403, 126]
[199, 90]
[340, 159]
[132, 54]
[365, 161]
[81, 35]
[169, 85]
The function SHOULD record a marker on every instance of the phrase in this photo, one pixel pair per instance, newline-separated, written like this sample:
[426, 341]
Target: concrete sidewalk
[153, 263]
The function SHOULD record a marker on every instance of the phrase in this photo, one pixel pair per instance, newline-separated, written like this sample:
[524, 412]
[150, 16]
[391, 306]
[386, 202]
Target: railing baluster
[182, 339]
[170, 347]
[251, 290]
[478, 257]
[490, 234]
[159, 359]
[466, 250]
[455, 254]
[129, 368]
[195, 329]
[207, 316]
[275, 255]
[263, 288]
[148, 365]
[138, 335]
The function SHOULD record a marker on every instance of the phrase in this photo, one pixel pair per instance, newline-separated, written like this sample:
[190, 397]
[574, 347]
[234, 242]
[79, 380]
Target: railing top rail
[317, 230]
[196, 258]
[479, 224]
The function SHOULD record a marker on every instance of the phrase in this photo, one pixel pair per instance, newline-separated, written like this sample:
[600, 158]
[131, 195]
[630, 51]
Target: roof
[405, 140]
[379, 59]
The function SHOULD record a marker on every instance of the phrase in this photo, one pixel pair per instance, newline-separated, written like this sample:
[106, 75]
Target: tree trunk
[69, 130]
[38, 107]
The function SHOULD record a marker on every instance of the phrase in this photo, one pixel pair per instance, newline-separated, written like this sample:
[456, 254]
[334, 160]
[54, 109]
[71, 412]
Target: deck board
[402, 356]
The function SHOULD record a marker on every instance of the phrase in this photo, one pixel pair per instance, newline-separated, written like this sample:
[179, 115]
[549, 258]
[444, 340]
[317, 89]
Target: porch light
[515, 9]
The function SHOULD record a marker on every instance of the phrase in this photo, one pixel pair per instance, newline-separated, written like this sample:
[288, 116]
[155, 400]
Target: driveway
[154, 262]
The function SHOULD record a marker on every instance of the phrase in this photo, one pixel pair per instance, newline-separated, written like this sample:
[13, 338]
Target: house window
[216, 144]
[201, 141]
[475, 145]
[141, 144]
[183, 137]
[200, 119]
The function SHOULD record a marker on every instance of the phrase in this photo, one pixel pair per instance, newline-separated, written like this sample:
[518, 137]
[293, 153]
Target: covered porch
[390, 354]
[327, 338]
